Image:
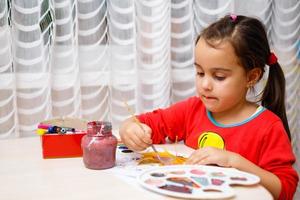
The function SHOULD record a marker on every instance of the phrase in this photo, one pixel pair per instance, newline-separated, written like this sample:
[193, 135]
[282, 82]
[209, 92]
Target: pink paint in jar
[99, 146]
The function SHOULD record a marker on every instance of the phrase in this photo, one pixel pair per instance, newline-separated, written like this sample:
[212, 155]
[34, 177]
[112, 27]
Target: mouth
[209, 97]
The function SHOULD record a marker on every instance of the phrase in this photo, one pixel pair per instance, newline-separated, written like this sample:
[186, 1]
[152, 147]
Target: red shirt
[261, 138]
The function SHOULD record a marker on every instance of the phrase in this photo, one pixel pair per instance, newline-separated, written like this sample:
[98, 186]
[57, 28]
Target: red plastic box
[63, 145]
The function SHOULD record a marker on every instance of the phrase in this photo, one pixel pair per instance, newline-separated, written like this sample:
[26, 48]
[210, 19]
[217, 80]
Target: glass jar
[99, 146]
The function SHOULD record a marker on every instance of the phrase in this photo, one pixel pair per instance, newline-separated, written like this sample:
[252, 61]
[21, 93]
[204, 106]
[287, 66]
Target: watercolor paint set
[195, 181]
[127, 162]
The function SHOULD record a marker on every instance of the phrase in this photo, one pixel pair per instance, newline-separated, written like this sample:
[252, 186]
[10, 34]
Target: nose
[206, 83]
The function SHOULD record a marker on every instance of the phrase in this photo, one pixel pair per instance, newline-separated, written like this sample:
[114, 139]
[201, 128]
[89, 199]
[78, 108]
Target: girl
[220, 123]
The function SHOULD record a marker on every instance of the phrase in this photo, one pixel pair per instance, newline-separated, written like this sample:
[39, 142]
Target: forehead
[220, 55]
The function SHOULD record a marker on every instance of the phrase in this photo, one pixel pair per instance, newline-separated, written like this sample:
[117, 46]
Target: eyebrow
[197, 64]
[215, 68]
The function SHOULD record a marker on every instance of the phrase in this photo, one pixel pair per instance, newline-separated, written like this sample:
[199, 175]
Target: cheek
[226, 88]
[231, 90]
[198, 85]
[196, 82]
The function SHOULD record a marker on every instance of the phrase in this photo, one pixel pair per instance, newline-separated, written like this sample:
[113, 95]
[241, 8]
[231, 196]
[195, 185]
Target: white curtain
[85, 58]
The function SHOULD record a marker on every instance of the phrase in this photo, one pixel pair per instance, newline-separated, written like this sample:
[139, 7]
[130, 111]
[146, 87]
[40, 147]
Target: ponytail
[273, 97]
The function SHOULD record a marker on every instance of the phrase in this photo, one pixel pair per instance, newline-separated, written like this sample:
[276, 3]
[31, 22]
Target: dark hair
[248, 37]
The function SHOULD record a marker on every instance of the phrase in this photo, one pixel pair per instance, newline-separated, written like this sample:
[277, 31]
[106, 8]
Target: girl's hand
[134, 136]
[212, 155]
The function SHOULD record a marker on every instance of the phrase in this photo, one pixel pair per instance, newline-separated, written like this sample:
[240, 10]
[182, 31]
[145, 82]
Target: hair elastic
[272, 59]
[233, 17]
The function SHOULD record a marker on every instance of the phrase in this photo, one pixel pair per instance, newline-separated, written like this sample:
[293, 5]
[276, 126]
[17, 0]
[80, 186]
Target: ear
[253, 76]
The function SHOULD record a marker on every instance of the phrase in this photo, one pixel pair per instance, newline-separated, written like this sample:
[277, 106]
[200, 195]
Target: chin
[211, 108]
[214, 108]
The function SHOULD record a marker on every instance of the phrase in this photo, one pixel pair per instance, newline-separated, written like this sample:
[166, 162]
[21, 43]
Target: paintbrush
[176, 140]
[137, 121]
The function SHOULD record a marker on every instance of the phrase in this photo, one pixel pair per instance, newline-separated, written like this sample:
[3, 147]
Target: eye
[200, 74]
[220, 78]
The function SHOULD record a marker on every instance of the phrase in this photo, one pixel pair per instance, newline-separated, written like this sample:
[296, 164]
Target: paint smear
[238, 178]
[217, 182]
[175, 188]
[197, 172]
[211, 190]
[184, 181]
[201, 180]
[181, 172]
[155, 182]
[218, 174]
[158, 174]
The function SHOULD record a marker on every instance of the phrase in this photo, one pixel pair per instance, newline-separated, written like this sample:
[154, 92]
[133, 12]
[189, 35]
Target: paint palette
[195, 181]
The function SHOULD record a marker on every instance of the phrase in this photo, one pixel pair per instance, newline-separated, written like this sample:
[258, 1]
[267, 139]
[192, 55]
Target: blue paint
[122, 147]
[201, 180]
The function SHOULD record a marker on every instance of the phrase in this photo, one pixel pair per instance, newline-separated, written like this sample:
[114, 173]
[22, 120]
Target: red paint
[99, 146]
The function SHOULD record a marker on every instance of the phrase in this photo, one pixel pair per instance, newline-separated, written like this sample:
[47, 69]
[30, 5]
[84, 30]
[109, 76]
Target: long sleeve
[167, 122]
[276, 156]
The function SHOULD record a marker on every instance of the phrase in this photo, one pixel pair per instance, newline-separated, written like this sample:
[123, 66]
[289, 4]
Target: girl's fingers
[201, 155]
[205, 161]
[138, 141]
[131, 141]
[196, 157]
[137, 137]
[194, 161]
[146, 135]
[142, 131]
[147, 139]
[134, 146]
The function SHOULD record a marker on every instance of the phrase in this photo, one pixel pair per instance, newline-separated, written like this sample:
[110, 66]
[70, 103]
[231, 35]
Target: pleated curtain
[90, 58]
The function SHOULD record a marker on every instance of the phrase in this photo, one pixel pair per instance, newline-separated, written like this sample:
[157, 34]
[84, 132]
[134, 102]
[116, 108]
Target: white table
[25, 175]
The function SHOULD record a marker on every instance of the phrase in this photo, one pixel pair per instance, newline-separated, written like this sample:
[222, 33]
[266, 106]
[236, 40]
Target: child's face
[221, 81]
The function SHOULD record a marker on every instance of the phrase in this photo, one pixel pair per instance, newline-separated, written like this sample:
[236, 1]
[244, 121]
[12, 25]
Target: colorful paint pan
[183, 181]
[238, 178]
[157, 174]
[217, 174]
[155, 182]
[177, 189]
[217, 182]
[181, 172]
[201, 180]
[197, 172]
